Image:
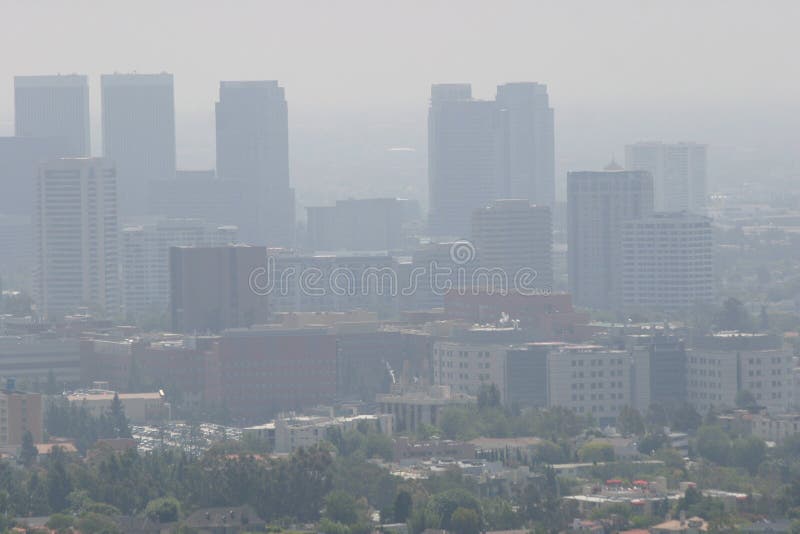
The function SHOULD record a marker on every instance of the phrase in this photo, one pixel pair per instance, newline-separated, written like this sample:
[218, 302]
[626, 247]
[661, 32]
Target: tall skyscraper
[481, 150]
[54, 107]
[138, 133]
[76, 237]
[597, 204]
[679, 173]
[461, 158]
[526, 159]
[253, 147]
[667, 261]
[513, 234]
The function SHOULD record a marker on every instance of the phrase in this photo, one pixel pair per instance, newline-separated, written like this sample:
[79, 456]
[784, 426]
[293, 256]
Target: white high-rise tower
[679, 173]
[76, 237]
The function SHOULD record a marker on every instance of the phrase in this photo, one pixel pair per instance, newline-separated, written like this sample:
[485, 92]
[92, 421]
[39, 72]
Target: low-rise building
[294, 432]
[35, 358]
[468, 367]
[590, 379]
[140, 408]
[721, 366]
[414, 406]
[775, 428]
[20, 412]
[286, 434]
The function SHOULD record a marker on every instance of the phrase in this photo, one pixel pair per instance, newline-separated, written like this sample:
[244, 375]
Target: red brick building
[258, 372]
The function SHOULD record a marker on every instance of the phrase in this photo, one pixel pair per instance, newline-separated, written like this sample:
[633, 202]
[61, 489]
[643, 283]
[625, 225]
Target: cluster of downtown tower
[637, 236]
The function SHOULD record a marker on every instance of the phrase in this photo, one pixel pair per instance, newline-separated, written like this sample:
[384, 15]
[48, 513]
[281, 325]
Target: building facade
[721, 366]
[461, 158]
[76, 237]
[526, 159]
[591, 380]
[515, 237]
[667, 262]
[679, 173]
[597, 205]
[357, 224]
[138, 133]
[659, 370]
[55, 107]
[252, 135]
[467, 368]
[32, 359]
[259, 372]
[20, 412]
[210, 288]
[145, 259]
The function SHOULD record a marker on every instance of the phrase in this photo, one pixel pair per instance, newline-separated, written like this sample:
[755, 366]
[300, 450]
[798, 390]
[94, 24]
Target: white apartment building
[667, 261]
[145, 259]
[721, 366]
[597, 205]
[679, 173]
[76, 237]
[467, 367]
[590, 379]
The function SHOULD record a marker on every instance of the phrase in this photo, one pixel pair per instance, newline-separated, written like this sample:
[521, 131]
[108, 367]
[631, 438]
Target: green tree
[326, 526]
[745, 399]
[488, 396]
[341, 507]
[548, 452]
[459, 423]
[465, 521]
[748, 452]
[92, 523]
[500, 514]
[60, 522]
[119, 422]
[59, 484]
[713, 444]
[403, 505]
[685, 418]
[444, 504]
[379, 446]
[650, 443]
[596, 451]
[733, 316]
[163, 510]
[28, 451]
[630, 422]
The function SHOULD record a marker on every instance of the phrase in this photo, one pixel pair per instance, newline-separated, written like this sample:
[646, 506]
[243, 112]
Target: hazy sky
[725, 72]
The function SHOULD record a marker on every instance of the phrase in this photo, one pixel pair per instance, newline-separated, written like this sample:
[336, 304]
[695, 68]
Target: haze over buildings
[252, 128]
[366, 242]
[54, 107]
[138, 133]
